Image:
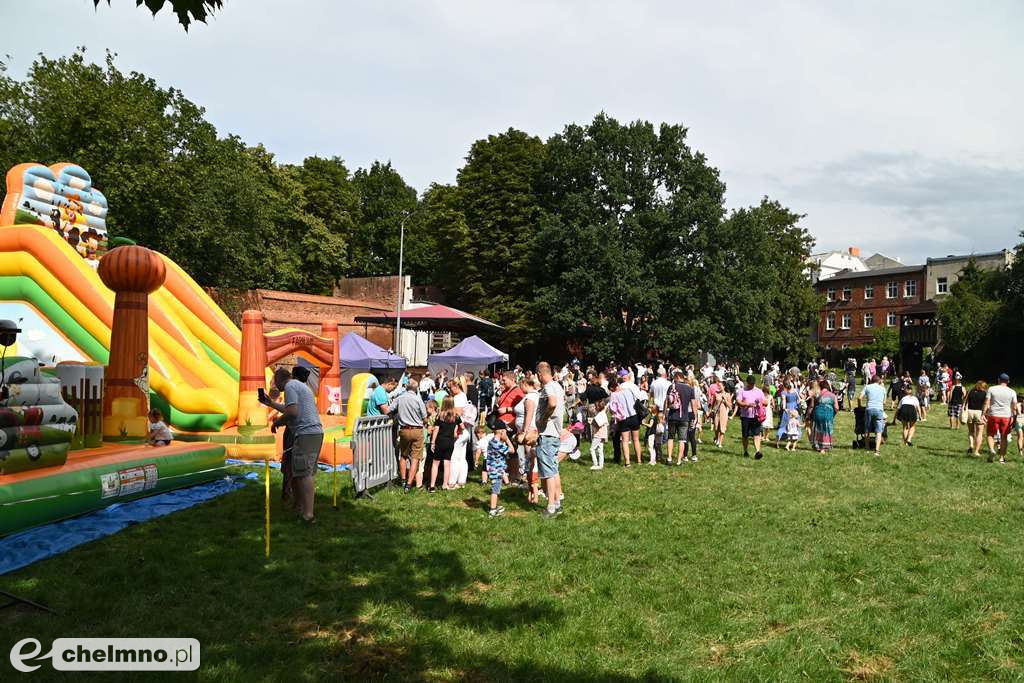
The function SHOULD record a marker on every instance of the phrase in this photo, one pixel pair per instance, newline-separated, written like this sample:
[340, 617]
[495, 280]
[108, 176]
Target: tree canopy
[611, 235]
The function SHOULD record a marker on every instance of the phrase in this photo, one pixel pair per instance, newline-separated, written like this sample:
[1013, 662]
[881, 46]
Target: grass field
[800, 566]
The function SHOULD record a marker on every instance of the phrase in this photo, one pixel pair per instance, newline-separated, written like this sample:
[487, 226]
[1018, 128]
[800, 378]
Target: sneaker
[1002, 461]
[496, 512]
[746, 455]
[550, 514]
[693, 459]
[559, 510]
[594, 467]
[758, 455]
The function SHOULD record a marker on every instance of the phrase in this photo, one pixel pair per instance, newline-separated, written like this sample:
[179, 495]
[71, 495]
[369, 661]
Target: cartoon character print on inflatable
[61, 197]
[333, 400]
[36, 424]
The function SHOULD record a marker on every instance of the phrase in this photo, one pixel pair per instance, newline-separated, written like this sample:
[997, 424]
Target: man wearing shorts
[1000, 408]
[679, 415]
[550, 412]
[299, 412]
[410, 414]
[874, 416]
[750, 400]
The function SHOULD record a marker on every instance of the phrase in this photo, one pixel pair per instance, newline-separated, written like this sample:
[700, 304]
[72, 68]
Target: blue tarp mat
[29, 546]
[276, 465]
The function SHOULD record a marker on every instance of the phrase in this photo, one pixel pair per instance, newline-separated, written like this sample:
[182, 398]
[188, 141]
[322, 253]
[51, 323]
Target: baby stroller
[859, 427]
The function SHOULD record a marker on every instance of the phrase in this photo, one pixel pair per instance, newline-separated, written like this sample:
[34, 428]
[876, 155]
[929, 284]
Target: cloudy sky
[895, 127]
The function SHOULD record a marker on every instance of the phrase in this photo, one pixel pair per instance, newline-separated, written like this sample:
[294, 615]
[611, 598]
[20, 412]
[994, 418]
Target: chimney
[854, 251]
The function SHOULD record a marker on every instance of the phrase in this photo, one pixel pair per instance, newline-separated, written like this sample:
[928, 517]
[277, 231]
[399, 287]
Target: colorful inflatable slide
[102, 335]
[66, 311]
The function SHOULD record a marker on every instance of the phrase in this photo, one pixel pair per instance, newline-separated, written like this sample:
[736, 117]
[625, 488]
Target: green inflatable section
[61, 495]
[22, 288]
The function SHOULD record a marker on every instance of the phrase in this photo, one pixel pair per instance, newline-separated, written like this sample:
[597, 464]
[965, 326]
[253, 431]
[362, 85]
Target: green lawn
[800, 566]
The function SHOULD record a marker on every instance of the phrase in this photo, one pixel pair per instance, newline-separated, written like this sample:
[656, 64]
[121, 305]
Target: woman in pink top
[751, 402]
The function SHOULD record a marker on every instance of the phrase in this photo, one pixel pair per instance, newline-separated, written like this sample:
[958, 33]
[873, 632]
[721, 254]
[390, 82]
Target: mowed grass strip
[800, 566]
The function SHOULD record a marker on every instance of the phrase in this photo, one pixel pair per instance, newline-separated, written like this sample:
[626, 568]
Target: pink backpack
[675, 404]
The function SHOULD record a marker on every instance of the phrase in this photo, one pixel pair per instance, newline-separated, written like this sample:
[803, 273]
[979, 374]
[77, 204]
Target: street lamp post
[400, 292]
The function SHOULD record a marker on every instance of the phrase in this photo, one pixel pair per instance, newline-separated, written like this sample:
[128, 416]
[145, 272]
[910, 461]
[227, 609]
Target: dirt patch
[719, 654]
[775, 629]
[862, 668]
[475, 588]
[992, 620]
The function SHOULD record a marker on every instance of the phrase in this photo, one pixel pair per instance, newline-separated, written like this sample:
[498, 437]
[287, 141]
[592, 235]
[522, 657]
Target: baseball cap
[1004, 377]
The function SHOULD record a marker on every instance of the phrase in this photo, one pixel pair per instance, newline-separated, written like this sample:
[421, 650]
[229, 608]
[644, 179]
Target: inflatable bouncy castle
[105, 332]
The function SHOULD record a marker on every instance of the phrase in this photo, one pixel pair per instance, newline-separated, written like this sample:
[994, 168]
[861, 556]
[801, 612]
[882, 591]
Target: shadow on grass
[357, 596]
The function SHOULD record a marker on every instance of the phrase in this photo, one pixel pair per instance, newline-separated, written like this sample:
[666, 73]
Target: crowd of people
[516, 426]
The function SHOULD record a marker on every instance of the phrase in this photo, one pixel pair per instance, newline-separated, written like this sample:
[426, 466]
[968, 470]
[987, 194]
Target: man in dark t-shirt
[682, 407]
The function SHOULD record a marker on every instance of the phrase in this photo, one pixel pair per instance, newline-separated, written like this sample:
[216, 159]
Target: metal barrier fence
[373, 454]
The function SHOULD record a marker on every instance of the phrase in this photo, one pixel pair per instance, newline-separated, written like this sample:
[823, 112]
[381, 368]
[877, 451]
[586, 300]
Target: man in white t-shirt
[550, 415]
[1000, 409]
[659, 389]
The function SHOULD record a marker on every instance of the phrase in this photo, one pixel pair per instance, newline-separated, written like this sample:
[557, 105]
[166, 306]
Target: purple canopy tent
[356, 354]
[471, 354]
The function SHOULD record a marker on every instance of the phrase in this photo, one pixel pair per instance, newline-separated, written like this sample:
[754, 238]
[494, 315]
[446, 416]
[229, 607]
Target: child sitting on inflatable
[159, 432]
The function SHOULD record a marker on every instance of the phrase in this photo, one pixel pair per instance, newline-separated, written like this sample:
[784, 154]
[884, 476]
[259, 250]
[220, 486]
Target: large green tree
[758, 286]
[620, 250]
[971, 313]
[438, 242]
[498, 198]
[636, 256]
[385, 201]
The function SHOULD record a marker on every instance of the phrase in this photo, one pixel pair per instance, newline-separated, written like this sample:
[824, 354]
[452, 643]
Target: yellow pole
[334, 475]
[266, 472]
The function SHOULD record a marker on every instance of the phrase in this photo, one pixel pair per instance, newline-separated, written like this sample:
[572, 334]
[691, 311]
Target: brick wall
[379, 290]
[306, 312]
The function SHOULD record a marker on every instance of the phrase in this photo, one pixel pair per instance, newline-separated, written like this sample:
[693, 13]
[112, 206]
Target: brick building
[859, 302]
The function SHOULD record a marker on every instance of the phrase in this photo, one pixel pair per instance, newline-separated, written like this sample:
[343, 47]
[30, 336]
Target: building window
[847, 320]
[830, 294]
[869, 320]
[892, 290]
[847, 293]
[910, 288]
[942, 286]
[830, 321]
[890, 319]
[869, 291]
